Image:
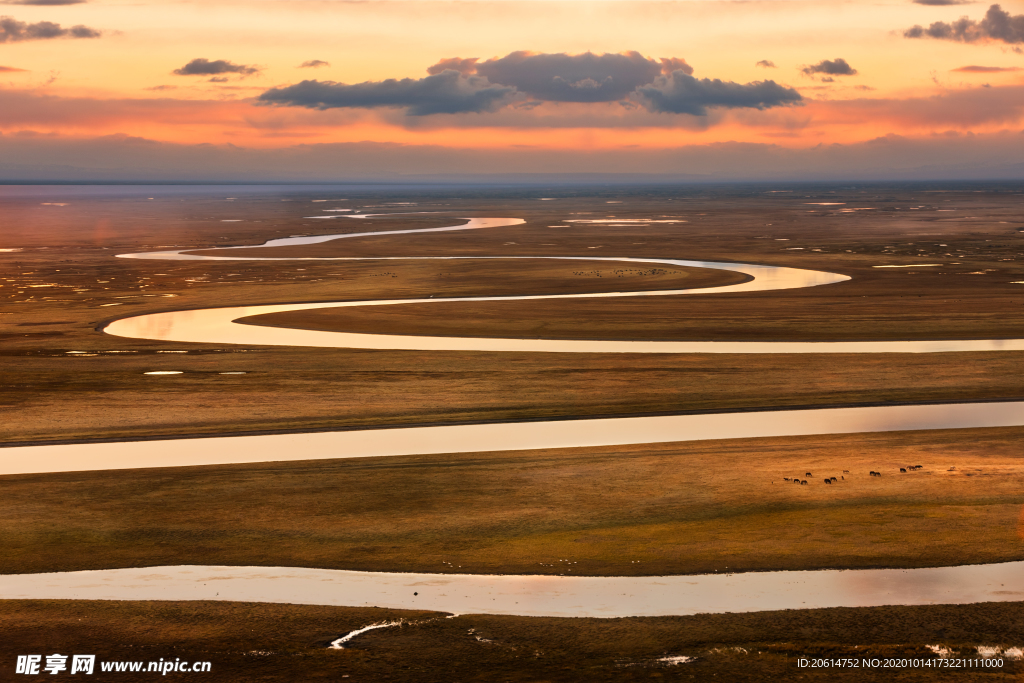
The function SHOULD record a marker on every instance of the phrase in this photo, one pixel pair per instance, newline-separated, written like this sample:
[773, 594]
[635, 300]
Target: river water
[562, 596]
[540, 596]
[509, 436]
[218, 326]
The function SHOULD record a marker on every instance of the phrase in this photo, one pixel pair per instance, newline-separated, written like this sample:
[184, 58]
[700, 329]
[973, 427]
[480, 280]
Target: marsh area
[638, 510]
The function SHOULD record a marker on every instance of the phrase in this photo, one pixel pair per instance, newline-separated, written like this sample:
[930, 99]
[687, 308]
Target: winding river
[218, 326]
[521, 595]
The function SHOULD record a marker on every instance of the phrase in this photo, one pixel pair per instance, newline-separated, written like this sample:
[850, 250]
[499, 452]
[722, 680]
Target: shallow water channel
[509, 436]
[218, 326]
[541, 596]
[561, 596]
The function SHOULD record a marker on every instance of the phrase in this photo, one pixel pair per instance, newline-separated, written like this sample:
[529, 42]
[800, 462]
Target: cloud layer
[830, 67]
[448, 92]
[44, 3]
[119, 158]
[217, 67]
[14, 31]
[457, 85]
[465, 67]
[998, 25]
[986, 69]
[572, 78]
[681, 93]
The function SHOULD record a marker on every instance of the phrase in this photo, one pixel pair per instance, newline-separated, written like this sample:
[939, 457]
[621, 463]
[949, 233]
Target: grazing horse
[828, 481]
[903, 469]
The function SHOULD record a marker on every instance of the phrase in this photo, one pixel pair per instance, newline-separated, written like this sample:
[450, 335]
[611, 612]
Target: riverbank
[65, 282]
[245, 641]
[641, 510]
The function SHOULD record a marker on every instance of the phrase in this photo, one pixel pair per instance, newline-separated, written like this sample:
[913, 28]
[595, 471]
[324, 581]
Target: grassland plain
[261, 642]
[696, 507]
[65, 283]
[676, 508]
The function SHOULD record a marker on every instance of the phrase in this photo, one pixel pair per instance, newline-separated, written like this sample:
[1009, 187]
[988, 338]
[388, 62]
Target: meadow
[640, 510]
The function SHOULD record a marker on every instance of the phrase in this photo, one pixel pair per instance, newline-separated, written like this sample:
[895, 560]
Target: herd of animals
[833, 480]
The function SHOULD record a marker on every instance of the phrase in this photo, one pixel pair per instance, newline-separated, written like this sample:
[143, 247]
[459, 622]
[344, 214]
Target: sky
[377, 89]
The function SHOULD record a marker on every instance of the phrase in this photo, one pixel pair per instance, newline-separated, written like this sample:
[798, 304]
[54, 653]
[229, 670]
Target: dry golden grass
[636, 510]
[47, 396]
[675, 508]
[50, 396]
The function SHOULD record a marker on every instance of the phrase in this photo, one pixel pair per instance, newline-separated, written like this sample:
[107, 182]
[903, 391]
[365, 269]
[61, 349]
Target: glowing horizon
[566, 77]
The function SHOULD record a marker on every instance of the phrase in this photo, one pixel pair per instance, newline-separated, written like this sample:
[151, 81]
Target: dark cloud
[466, 67]
[158, 88]
[943, 2]
[675, 64]
[44, 3]
[448, 92]
[681, 93]
[766, 63]
[205, 67]
[572, 78]
[831, 67]
[536, 115]
[10, 69]
[314, 64]
[14, 31]
[997, 25]
[986, 69]
[459, 85]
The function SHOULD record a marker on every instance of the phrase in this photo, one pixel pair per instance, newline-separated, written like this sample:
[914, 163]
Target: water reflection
[511, 436]
[217, 325]
[185, 255]
[549, 596]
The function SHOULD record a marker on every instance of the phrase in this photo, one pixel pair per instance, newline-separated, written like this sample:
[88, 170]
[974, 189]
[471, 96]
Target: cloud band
[998, 25]
[458, 85]
[14, 31]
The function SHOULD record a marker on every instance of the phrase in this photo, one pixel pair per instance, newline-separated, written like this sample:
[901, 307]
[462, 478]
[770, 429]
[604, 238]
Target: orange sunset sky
[338, 89]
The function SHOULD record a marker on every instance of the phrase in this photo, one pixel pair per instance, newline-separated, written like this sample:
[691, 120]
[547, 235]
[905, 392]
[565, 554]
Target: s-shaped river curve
[218, 325]
[520, 595]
